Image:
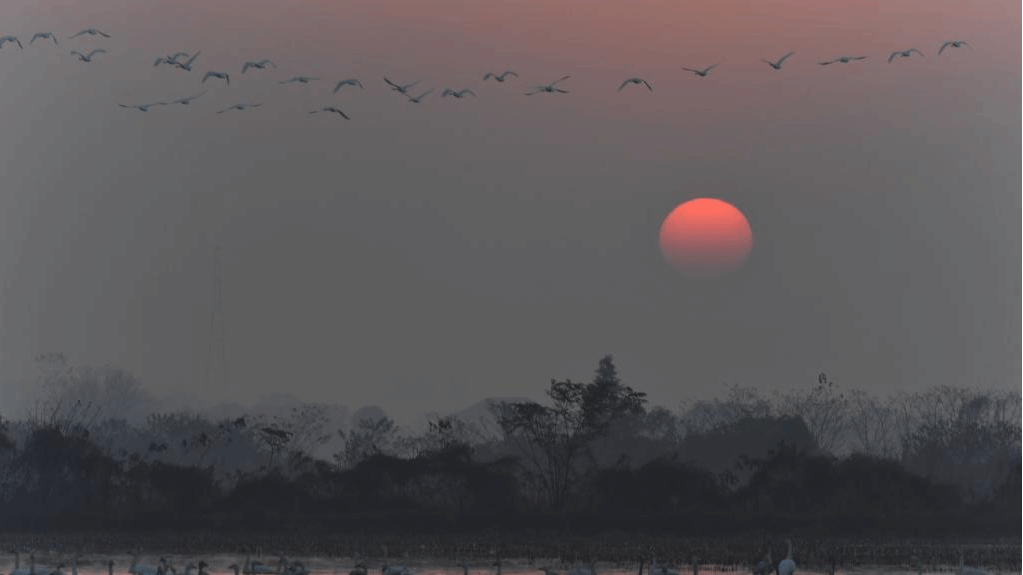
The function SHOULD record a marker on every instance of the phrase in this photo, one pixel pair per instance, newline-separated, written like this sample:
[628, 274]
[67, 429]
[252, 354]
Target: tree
[553, 438]
[822, 408]
[369, 437]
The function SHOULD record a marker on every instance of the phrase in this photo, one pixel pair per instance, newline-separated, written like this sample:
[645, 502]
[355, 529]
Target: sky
[425, 256]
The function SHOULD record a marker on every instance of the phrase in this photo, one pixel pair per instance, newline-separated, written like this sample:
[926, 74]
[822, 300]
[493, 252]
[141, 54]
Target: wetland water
[219, 564]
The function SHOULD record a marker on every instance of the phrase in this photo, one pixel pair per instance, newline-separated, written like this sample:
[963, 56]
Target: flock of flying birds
[185, 61]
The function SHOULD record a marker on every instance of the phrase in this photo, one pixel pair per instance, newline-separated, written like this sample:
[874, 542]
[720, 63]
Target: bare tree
[872, 425]
[368, 437]
[822, 408]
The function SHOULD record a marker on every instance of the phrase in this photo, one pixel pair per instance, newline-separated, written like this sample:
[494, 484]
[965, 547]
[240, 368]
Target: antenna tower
[217, 336]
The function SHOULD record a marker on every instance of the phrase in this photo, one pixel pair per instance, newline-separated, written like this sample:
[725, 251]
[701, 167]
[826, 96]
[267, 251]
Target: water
[218, 564]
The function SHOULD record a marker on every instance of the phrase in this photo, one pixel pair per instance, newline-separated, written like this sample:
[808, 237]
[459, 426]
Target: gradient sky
[448, 251]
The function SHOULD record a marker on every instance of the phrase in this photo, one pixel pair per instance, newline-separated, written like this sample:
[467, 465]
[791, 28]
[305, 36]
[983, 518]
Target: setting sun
[706, 238]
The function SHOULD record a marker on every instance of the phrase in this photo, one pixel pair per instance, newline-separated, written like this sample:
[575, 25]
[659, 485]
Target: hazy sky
[426, 256]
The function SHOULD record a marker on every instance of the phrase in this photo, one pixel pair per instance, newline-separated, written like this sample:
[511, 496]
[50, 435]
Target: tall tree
[552, 439]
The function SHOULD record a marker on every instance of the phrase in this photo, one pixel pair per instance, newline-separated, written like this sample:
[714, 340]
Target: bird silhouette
[499, 77]
[298, 79]
[401, 89]
[842, 60]
[347, 82]
[701, 73]
[260, 65]
[222, 75]
[38, 35]
[777, 65]
[458, 94]
[903, 53]
[88, 57]
[239, 107]
[635, 81]
[90, 32]
[11, 39]
[953, 44]
[549, 88]
[332, 110]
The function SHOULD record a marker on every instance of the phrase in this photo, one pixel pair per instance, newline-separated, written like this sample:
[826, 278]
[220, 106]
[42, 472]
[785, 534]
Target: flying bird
[331, 109]
[260, 65]
[954, 44]
[499, 77]
[635, 81]
[700, 73]
[38, 35]
[12, 39]
[777, 65]
[239, 107]
[299, 79]
[91, 32]
[347, 82]
[399, 88]
[222, 75]
[187, 100]
[187, 66]
[842, 60]
[419, 98]
[458, 94]
[88, 57]
[143, 107]
[549, 88]
[903, 53]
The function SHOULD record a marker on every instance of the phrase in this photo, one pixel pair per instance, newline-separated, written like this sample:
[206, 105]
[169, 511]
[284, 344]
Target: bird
[88, 57]
[419, 98]
[954, 44]
[903, 53]
[12, 39]
[222, 75]
[187, 66]
[499, 77]
[333, 110]
[239, 107]
[765, 566]
[549, 88]
[347, 82]
[299, 79]
[257, 65]
[18, 569]
[777, 65]
[169, 59]
[399, 88]
[656, 569]
[635, 81]
[143, 108]
[186, 100]
[136, 569]
[968, 570]
[787, 566]
[842, 60]
[458, 94]
[38, 35]
[90, 32]
[700, 73]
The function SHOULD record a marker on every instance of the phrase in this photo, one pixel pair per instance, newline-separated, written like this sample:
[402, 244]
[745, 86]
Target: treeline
[593, 457]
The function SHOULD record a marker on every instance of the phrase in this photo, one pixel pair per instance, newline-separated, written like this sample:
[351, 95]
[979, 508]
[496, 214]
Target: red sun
[706, 238]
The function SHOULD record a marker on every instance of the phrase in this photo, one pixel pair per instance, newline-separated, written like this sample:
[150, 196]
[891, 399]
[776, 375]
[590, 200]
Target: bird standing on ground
[777, 65]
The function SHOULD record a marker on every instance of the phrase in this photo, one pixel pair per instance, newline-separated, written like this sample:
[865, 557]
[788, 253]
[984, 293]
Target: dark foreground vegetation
[592, 460]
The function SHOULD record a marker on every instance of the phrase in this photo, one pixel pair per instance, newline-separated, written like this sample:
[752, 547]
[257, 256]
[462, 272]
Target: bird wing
[188, 64]
[469, 92]
[97, 51]
[338, 87]
[965, 44]
[625, 83]
[158, 61]
[786, 57]
[447, 92]
[206, 77]
[826, 63]
[105, 35]
[246, 67]
[689, 69]
[488, 75]
[343, 115]
[77, 53]
[509, 72]
[892, 55]
[649, 87]
[709, 68]
[560, 79]
[859, 57]
[391, 83]
[917, 51]
[265, 62]
[34, 36]
[78, 34]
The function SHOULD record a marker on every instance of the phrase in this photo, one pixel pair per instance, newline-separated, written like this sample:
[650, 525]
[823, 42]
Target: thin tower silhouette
[217, 334]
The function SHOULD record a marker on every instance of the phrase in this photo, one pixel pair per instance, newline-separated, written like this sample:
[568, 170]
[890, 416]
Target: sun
[706, 238]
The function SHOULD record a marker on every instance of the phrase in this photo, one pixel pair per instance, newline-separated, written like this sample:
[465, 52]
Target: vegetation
[594, 458]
